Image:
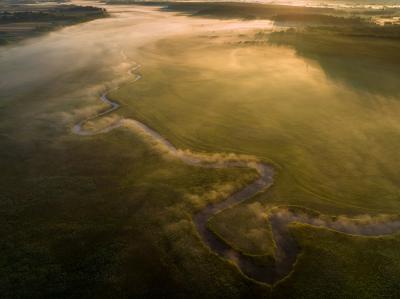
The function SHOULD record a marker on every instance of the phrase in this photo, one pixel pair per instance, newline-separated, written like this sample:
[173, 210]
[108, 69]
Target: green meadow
[336, 265]
[85, 217]
[111, 215]
[320, 106]
[333, 143]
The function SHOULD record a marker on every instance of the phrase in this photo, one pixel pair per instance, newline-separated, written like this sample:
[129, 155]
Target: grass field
[327, 120]
[334, 145]
[81, 231]
[343, 266]
[110, 216]
[87, 217]
[84, 217]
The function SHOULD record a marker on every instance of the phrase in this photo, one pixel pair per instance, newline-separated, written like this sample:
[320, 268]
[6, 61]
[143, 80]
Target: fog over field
[99, 45]
[203, 150]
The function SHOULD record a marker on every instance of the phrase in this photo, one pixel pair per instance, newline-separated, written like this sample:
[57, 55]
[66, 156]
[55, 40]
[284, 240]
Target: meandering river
[75, 64]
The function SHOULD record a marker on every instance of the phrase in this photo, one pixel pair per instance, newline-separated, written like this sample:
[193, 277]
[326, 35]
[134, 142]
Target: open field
[229, 98]
[223, 93]
[117, 214]
[342, 266]
[84, 217]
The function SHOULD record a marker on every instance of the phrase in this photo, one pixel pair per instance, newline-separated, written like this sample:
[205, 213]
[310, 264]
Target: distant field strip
[279, 217]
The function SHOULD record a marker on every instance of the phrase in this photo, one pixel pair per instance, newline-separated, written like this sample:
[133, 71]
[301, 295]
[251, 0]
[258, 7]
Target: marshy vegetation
[112, 216]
